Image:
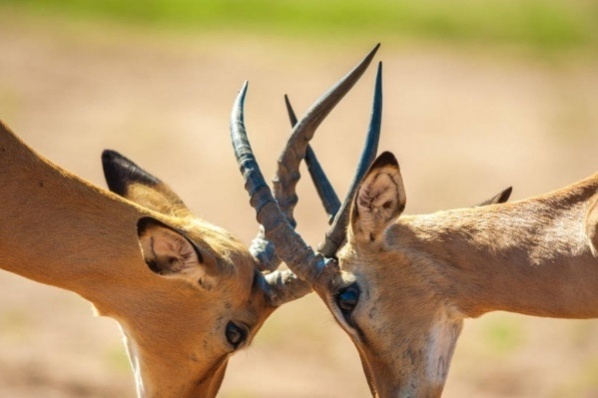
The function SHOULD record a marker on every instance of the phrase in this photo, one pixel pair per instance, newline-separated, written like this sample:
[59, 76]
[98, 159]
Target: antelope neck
[531, 257]
[59, 230]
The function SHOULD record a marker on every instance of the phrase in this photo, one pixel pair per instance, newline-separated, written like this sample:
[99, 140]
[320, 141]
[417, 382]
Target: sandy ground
[464, 124]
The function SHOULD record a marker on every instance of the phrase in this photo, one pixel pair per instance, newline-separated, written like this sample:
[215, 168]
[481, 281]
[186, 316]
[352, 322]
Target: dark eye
[347, 299]
[235, 334]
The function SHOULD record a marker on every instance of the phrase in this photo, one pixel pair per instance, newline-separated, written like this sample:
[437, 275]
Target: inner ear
[380, 199]
[170, 253]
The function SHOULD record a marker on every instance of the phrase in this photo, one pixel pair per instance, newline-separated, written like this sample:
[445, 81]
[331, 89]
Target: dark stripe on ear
[144, 223]
[120, 172]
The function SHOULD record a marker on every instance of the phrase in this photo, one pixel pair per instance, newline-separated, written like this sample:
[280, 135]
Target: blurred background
[479, 95]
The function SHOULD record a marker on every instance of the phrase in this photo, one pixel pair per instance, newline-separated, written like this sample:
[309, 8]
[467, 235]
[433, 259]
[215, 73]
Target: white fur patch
[440, 345]
[134, 360]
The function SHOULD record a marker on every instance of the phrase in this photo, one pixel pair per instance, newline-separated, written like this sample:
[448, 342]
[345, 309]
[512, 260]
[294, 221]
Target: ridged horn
[328, 196]
[287, 174]
[335, 236]
[290, 247]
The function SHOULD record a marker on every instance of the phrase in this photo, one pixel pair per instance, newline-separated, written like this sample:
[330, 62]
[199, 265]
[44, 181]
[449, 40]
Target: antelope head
[207, 297]
[376, 282]
[186, 293]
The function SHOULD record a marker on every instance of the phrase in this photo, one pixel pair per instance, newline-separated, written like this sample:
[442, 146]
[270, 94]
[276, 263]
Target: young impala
[186, 293]
[401, 286]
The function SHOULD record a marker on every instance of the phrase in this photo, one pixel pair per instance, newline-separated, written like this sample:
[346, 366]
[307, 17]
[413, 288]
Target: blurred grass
[116, 358]
[15, 326]
[546, 25]
[503, 335]
[584, 382]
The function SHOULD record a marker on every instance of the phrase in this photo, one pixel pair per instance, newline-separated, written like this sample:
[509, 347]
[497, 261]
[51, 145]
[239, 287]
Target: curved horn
[287, 174]
[336, 234]
[325, 190]
[290, 247]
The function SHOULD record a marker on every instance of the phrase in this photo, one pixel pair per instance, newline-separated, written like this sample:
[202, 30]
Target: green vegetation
[537, 24]
[503, 334]
[116, 358]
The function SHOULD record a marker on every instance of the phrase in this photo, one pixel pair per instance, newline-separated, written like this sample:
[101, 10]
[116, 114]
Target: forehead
[235, 264]
[395, 275]
[237, 291]
[368, 259]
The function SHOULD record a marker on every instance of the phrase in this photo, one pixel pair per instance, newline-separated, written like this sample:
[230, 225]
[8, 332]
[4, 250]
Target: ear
[130, 181]
[168, 252]
[501, 197]
[592, 225]
[380, 199]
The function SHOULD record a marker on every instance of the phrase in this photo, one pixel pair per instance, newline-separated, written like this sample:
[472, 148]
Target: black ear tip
[385, 159]
[505, 195]
[113, 161]
[110, 156]
[114, 171]
[120, 172]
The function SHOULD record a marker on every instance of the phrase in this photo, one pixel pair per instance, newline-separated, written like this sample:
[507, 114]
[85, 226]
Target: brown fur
[421, 276]
[59, 230]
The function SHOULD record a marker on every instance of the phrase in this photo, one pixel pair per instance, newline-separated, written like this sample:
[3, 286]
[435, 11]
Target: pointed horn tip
[240, 100]
[378, 82]
[372, 52]
[244, 87]
[243, 90]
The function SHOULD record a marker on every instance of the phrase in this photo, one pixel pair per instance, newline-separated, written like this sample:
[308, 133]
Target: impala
[401, 286]
[185, 293]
